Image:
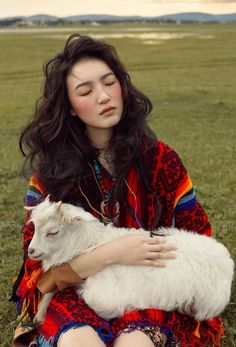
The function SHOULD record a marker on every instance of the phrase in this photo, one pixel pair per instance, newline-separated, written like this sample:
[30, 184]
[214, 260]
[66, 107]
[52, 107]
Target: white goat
[202, 269]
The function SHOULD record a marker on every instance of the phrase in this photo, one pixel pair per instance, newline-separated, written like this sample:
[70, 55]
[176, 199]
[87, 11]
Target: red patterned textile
[170, 182]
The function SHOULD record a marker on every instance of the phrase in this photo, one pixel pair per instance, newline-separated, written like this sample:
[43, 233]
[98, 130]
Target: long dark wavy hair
[55, 144]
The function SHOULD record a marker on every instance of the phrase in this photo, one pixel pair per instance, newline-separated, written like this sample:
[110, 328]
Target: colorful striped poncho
[173, 188]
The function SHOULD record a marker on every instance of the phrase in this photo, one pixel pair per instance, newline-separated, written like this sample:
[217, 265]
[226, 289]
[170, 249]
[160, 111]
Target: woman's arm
[58, 278]
[72, 273]
[127, 250]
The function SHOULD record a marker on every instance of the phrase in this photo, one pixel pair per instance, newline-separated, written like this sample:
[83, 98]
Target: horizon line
[113, 15]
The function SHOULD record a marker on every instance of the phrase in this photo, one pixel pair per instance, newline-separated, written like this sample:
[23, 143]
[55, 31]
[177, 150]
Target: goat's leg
[42, 308]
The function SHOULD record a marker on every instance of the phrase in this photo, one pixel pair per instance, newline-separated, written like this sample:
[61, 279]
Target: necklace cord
[136, 206]
[94, 209]
[107, 219]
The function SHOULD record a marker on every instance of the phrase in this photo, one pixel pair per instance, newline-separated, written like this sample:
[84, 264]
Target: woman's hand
[126, 250]
[138, 250]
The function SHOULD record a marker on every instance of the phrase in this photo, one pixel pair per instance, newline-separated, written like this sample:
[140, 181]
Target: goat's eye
[52, 233]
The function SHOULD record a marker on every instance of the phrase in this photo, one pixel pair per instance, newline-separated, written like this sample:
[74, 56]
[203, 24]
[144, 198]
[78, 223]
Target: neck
[99, 137]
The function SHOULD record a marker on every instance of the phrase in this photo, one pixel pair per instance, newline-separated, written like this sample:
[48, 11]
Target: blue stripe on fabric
[32, 198]
[187, 205]
[31, 201]
[186, 198]
[33, 193]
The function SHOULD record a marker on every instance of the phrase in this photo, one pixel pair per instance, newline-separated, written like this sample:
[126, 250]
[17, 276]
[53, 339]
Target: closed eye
[87, 93]
[52, 233]
[109, 83]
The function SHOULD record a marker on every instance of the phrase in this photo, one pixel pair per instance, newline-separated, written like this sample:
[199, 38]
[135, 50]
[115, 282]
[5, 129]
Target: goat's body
[202, 270]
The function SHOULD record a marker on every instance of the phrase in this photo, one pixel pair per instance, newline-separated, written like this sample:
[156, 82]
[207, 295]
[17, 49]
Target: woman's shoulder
[167, 173]
[160, 152]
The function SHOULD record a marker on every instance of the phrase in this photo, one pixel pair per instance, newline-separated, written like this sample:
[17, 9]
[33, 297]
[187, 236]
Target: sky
[63, 8]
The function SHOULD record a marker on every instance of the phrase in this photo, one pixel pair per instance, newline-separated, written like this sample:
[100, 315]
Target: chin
[113, 121]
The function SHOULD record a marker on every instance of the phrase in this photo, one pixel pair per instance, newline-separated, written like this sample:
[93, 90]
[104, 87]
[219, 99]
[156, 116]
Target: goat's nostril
[31, 250]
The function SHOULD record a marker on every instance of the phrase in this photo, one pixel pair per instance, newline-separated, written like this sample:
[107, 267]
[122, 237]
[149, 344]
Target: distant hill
[199, 17]
[102, 18]
[196, 17]
[42, 18]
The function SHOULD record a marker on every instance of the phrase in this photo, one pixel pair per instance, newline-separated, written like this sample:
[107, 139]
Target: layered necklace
[109, 208]
[105, 161]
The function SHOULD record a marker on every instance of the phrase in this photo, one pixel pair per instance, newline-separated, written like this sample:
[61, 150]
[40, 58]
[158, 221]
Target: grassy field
[191, 79]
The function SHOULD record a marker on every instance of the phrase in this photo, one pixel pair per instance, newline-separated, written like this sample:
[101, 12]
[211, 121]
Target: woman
[88, 143]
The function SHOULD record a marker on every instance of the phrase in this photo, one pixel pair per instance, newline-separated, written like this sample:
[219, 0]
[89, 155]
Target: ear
[48, 198]
[85, 216]
[57, 206]
[72, 113]
[29, 208]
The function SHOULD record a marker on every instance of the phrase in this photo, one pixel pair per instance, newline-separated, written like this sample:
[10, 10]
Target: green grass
[192, 83]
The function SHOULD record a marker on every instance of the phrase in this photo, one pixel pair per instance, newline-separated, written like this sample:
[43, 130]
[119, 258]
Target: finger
[156, 240]
[160, 255]
[161, 248]
[149, 262]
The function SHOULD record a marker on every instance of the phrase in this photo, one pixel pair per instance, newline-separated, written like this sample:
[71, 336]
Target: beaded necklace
[110, 209]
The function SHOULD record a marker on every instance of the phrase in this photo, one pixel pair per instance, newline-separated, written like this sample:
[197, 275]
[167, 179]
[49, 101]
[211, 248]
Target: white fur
[203, 268]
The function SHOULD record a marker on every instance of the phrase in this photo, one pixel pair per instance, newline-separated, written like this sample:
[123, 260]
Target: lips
[36, 257]
[107, 110]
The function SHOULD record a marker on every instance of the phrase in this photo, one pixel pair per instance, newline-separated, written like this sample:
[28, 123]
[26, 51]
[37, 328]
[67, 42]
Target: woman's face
[95, 94]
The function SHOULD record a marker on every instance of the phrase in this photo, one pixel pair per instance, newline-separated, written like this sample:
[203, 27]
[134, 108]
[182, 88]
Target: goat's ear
[48, 198]
[58, 206]
[85, 216]
[29, 208]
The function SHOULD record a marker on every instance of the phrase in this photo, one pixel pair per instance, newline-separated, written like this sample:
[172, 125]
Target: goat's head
[53, 224]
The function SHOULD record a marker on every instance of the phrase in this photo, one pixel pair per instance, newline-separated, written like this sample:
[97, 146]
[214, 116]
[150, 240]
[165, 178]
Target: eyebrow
[89, 83]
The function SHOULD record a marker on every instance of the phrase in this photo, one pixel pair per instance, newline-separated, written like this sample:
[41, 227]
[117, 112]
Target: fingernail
[162, 240]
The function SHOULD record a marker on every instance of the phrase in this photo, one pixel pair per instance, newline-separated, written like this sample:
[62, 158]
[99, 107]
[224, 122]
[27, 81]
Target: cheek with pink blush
[117, 94]
[83, 107]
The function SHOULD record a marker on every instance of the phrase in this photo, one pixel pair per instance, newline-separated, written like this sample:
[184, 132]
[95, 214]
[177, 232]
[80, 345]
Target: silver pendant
[104, 206]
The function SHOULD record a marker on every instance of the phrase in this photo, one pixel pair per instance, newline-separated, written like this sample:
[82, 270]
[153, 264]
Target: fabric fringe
[188, 331]
[143, 324]
[24, 309]
[32, 297]
[42, 342]
[104, 337]
[29, 306]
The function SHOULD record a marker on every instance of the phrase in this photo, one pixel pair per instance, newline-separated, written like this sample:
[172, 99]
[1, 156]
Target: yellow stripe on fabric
[34, 183]
[185, 187]
[25, 306]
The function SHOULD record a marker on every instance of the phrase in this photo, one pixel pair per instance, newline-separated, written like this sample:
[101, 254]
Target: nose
[103, 97]
[30, 250]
